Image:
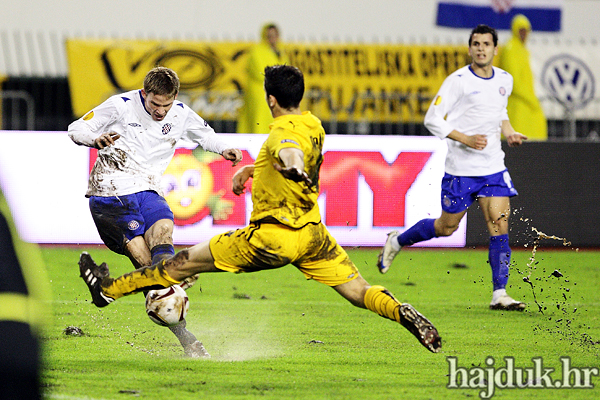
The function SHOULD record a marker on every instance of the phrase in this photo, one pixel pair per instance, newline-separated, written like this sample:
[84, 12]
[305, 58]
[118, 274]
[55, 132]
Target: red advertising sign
[369, 186]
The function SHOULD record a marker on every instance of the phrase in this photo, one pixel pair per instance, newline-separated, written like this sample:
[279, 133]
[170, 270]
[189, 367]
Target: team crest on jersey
[502, 90]
[447, 201]
[166, 128]
[133, 225]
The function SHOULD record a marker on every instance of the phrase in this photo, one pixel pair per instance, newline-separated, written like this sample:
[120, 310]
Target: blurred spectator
[23, 308]
[255, 116]
[524, 109]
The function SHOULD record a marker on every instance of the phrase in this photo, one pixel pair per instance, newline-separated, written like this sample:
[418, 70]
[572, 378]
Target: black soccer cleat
[420, 327]
[93, 275]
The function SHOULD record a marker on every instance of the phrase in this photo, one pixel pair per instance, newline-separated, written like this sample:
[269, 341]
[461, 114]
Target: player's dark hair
[481, 29]
[286, 84]
[161, 81]
[271, 26]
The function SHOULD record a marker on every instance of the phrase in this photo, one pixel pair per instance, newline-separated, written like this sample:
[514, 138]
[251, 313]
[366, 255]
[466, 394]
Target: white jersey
[472, 105]
[138, 159]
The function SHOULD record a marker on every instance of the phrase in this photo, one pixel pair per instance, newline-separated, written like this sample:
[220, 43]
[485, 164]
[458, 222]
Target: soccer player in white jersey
[469, 112]
[136, 134]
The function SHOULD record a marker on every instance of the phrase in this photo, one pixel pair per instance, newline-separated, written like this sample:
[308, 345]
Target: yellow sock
[379, 300]
[146, 278]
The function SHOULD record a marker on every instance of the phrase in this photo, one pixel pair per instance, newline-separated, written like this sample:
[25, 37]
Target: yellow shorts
[261, 246]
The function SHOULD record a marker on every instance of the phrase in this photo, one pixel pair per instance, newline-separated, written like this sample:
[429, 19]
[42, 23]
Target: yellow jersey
[291, 203]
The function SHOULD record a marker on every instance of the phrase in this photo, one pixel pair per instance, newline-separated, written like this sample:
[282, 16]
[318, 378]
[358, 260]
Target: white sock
[497, 294]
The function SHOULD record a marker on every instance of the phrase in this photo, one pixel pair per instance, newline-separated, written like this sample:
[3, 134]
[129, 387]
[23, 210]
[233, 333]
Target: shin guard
[379, 300]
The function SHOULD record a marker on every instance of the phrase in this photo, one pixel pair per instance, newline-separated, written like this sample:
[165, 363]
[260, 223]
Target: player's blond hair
[162, 81]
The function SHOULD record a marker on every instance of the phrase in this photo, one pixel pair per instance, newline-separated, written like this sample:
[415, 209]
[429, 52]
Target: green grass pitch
[275, 335]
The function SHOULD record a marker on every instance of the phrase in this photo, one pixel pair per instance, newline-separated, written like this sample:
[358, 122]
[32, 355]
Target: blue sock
[419, 232]
[160, 252]
[499, 258]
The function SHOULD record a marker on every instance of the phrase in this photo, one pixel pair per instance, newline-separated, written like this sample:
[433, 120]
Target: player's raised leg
[379, 300]
[171, 271]
[423, 230]
[105, 290]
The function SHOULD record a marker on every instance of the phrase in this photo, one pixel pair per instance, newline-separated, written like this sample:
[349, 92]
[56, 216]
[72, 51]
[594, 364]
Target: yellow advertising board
[101, 68]
[379, 83]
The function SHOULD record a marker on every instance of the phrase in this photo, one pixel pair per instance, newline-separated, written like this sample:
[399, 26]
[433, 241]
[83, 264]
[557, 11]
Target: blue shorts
[459, 192]
[121, 218]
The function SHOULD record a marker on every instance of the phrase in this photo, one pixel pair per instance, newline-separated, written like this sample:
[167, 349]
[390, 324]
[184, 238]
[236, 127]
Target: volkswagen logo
[569, 80]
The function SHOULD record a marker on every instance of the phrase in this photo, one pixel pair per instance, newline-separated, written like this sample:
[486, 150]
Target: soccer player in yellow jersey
[285, 225]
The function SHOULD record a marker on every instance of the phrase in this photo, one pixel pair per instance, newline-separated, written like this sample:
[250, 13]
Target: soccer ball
[167, 307]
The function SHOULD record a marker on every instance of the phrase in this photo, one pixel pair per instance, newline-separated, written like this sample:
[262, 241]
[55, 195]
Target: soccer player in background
[285, 224]
[136, 134]
[24, 308]
[469, 112]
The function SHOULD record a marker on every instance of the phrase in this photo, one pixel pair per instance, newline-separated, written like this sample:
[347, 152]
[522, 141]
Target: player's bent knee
[137, 250]
[163, 227]
[161, 232]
